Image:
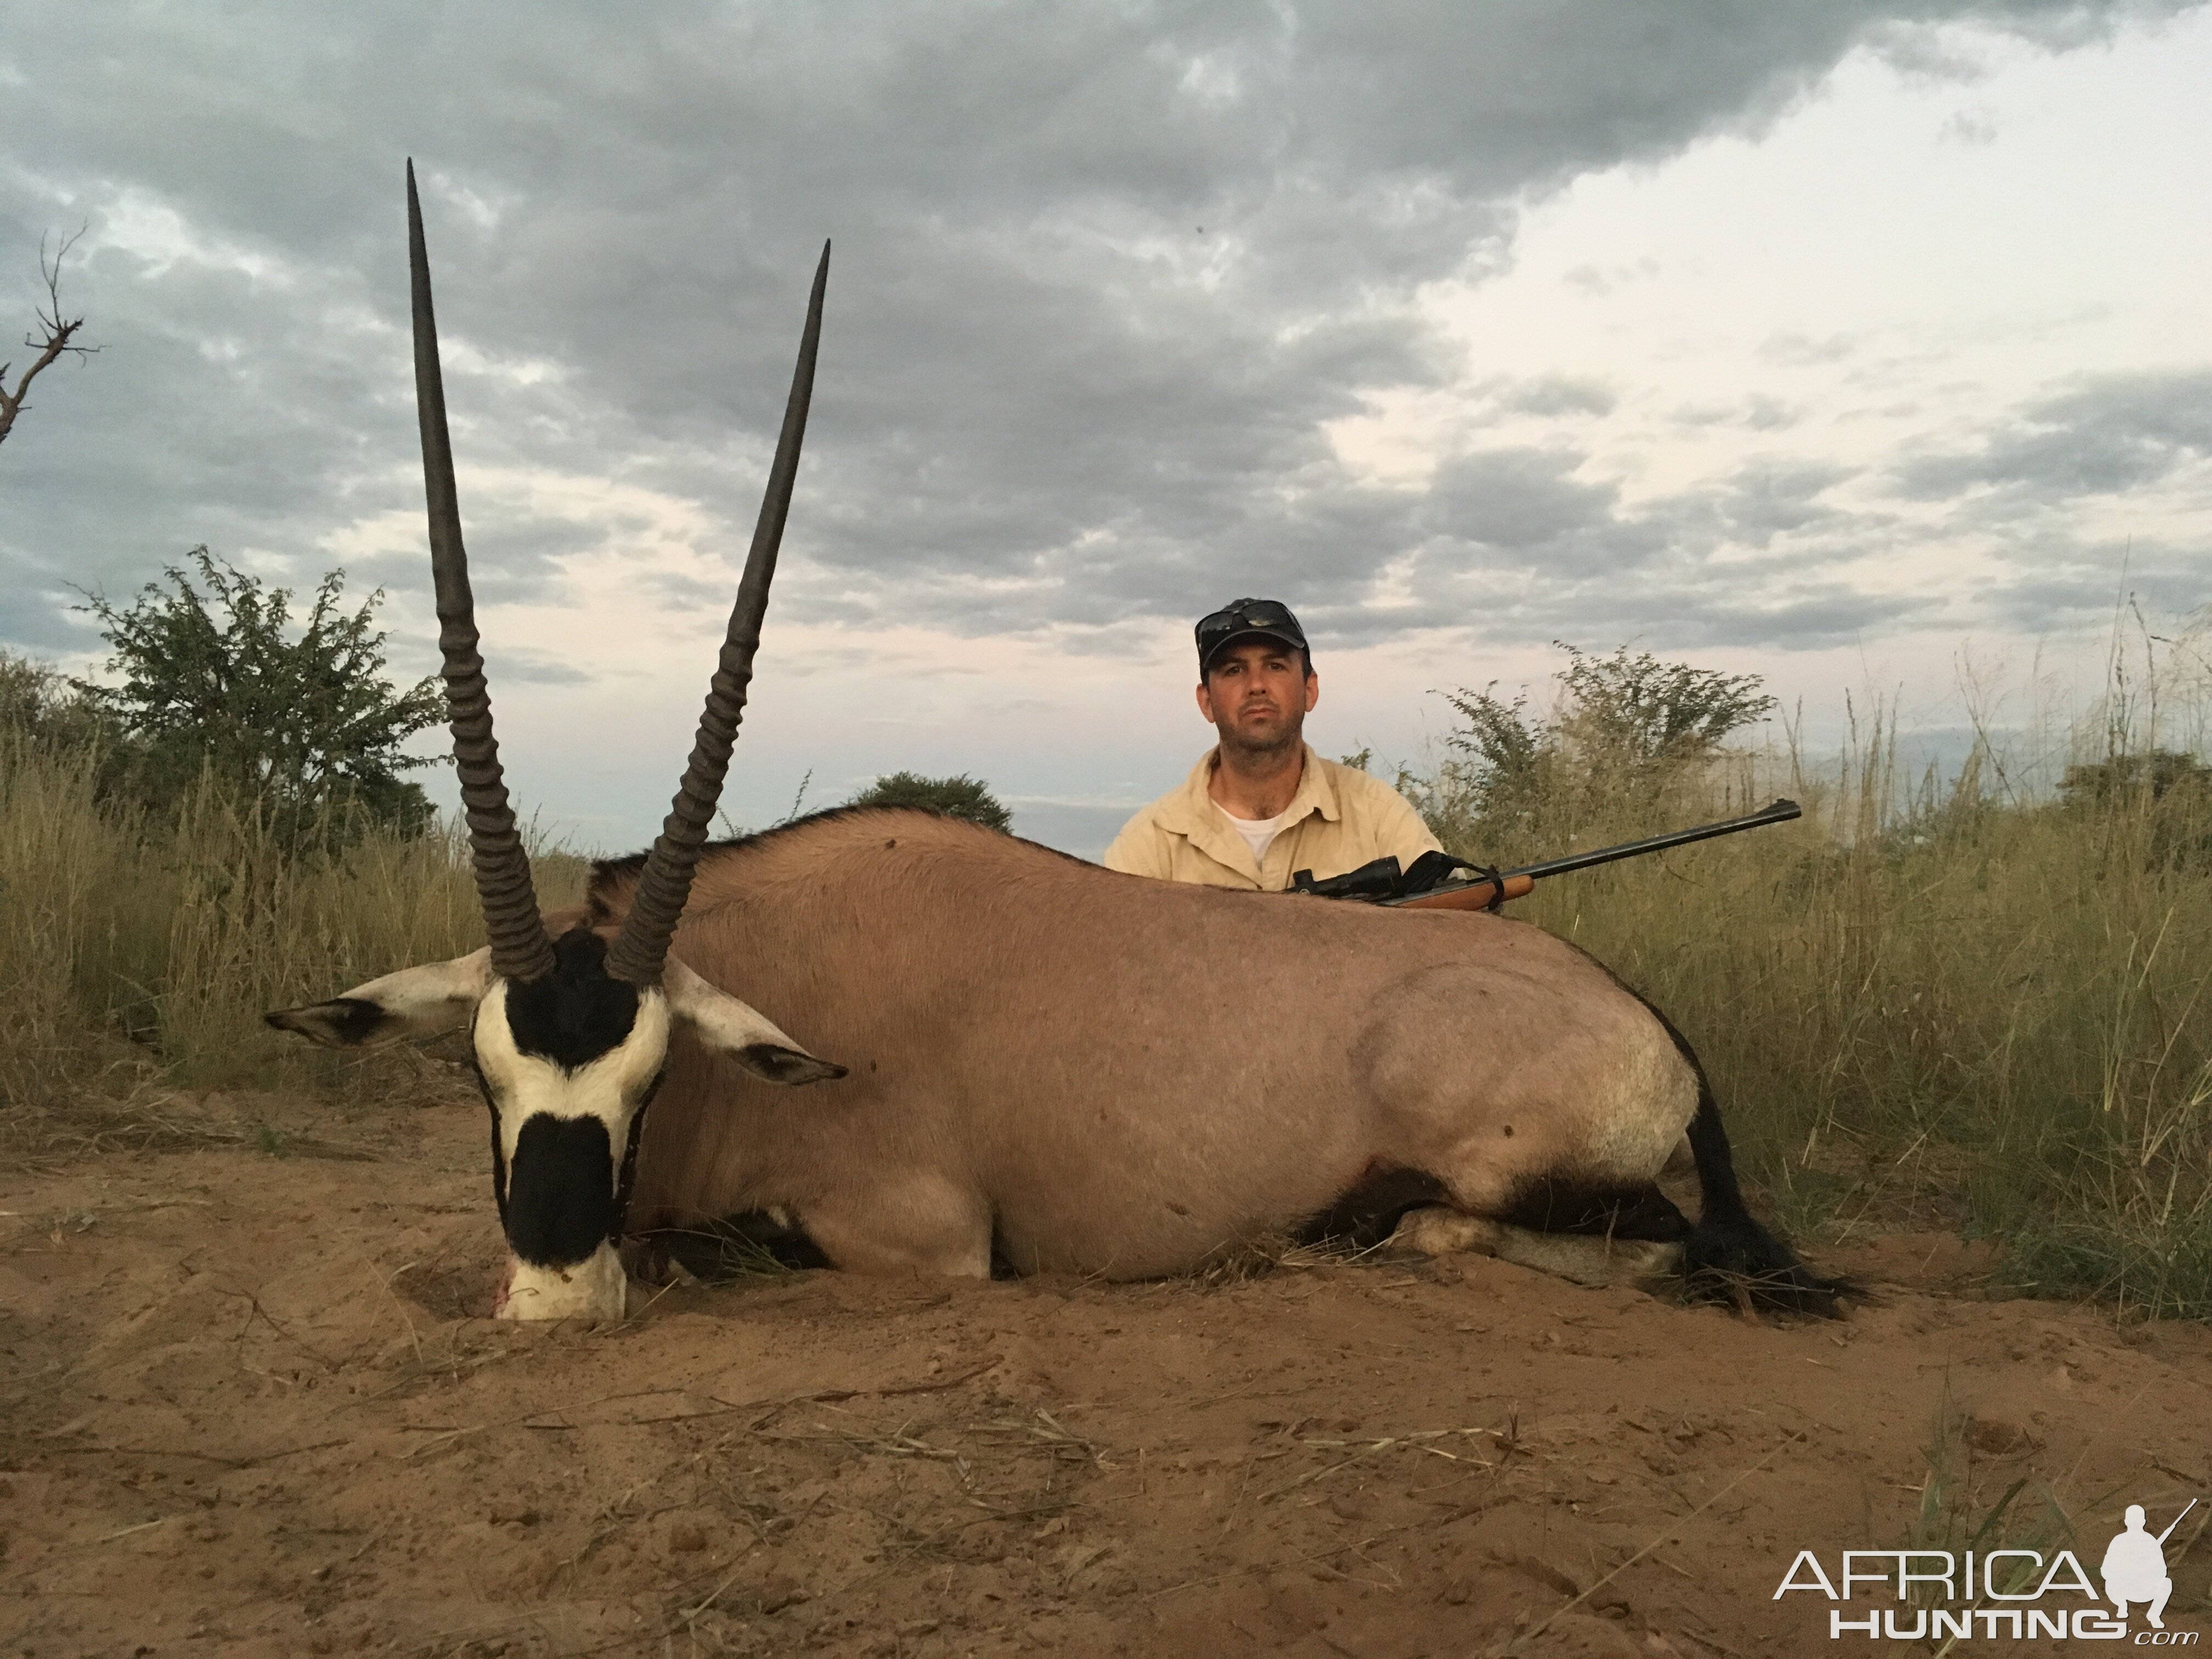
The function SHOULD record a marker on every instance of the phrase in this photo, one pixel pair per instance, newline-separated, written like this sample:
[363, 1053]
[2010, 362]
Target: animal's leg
[918, 1223]
[1585, 1259]
[1437, 1230]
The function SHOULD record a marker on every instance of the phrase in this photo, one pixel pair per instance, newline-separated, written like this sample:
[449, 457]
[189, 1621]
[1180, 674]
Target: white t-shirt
[1259, 833]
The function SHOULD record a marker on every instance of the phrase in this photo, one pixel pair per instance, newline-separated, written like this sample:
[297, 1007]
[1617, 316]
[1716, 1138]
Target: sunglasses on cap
[1268, 616]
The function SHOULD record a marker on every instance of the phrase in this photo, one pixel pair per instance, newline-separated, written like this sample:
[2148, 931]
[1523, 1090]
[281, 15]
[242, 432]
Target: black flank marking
[1369, 1210]
[1545, 1206]
[1003, 1264]
[575, 1013]
[733, 1246]
[560, 1194]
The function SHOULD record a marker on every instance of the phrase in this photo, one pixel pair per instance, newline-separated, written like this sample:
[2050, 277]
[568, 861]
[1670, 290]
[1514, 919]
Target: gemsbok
[1038, 1064]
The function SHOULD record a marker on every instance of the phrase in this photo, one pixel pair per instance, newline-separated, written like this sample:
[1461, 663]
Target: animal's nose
[595, 1290]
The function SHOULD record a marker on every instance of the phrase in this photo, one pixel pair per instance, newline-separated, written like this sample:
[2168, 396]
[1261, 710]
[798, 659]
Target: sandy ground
[246, 1406]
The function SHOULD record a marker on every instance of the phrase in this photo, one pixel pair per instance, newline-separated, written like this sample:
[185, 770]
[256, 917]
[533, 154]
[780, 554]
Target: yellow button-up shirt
[1339, 820]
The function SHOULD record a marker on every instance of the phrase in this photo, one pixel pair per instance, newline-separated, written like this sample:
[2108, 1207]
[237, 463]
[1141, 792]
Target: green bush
[957, 797]
[307, 731]
[1624, 729]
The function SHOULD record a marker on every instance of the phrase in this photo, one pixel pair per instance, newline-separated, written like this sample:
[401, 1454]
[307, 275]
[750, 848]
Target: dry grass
[1961, 1001]
[143, 952]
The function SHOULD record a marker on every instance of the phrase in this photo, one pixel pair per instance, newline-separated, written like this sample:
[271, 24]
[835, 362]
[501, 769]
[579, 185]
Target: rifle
[1382, 882]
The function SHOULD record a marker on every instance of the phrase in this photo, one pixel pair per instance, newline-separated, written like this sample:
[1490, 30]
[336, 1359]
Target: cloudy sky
[1839, 342]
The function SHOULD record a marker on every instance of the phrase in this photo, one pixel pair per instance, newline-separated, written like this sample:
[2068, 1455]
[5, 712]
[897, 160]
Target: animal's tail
[1728, 1256]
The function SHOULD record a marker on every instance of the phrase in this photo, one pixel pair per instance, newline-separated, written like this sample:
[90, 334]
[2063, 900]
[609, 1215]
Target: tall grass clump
[145, 942]
[1966, 999]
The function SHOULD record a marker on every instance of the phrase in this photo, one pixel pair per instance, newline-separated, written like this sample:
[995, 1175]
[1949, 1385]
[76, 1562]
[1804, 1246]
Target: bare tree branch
[55, 335]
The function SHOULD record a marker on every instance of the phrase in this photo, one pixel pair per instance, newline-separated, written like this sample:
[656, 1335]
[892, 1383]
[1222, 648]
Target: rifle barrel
[1780, 813]
[2176, 1522]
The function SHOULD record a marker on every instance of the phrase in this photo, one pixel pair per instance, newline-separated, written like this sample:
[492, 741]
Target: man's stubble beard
[1244, 749]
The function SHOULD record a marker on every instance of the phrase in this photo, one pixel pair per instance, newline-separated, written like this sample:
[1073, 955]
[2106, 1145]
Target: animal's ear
[742, 1032]
[413, 1002]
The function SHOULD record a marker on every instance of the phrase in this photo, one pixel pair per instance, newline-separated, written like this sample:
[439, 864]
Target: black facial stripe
[576, 1012]
[561, 1201]
[630, 1153]
[498, 1143]
[498, 1167]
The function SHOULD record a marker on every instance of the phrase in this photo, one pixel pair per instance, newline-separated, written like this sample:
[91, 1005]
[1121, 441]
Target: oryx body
[1029, 1057]
[1103, 1074]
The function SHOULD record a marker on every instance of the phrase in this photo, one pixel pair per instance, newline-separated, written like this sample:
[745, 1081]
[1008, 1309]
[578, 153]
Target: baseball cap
[1239, 618]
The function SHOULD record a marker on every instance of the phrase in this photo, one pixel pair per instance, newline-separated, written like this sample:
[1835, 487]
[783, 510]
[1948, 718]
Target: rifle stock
[1465, 894]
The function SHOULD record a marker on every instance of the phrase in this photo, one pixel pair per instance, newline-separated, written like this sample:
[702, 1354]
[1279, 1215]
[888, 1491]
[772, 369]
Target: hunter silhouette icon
[2134, 1568]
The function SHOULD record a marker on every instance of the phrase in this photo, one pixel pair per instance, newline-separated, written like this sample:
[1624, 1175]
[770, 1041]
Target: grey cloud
[1766, 414]
[1769, 498]
[1967, 128]
[1910, 45]
[2065, 582]
[522, 667]
[1809, 618]
[1509, 542]
[1760, 413]
[34, 617]
[1792, 350]
[1593, 280]
[1559, 394]
[1518, 500]
[1047, 397]
[2111, 433]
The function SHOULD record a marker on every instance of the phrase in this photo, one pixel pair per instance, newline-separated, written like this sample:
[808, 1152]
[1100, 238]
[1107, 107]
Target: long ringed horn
[519, 949]
[642, 945]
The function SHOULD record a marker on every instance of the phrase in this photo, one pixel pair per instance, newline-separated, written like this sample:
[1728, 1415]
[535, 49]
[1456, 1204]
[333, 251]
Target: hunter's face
[1257, 694]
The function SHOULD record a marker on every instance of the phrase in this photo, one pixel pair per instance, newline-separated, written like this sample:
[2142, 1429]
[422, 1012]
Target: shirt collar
[1192, 811]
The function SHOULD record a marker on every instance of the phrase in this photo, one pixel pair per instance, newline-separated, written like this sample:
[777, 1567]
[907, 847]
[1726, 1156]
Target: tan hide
[1114, 1075]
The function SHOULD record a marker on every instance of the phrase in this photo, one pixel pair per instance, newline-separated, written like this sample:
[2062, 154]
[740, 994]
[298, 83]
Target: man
[2134, 1568]
[1262, 805]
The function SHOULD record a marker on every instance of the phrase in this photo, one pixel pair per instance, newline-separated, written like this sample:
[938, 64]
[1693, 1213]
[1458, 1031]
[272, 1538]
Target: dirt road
[248, 1410]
